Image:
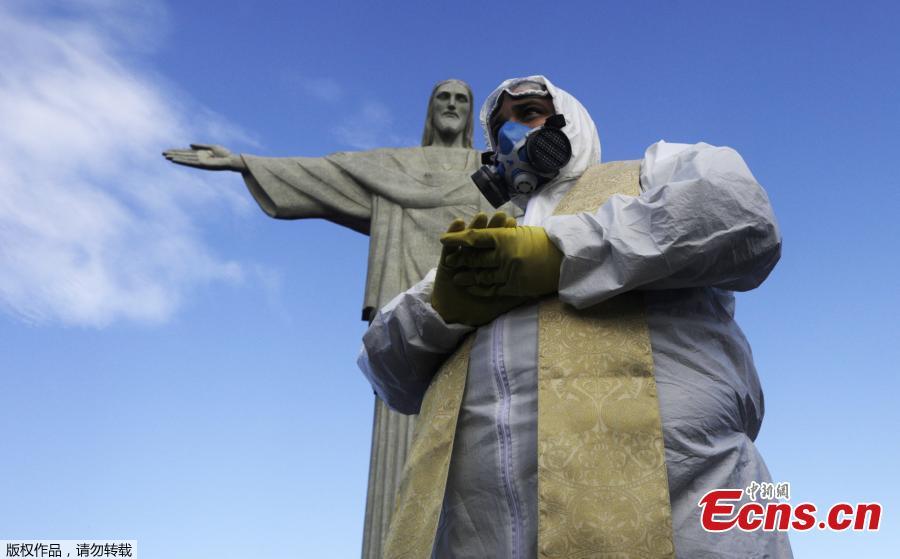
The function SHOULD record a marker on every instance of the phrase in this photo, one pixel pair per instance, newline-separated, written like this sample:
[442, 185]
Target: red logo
[721, 510]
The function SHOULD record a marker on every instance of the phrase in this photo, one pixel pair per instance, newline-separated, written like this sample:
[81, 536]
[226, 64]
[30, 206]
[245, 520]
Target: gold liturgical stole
[602, 487]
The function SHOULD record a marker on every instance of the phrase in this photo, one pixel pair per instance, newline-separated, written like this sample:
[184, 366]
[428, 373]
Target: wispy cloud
[359, 123]
[94, 225]
[372, 126]
[323, 89]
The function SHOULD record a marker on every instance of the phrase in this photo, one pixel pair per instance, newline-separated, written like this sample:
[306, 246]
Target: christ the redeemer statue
[403, 199]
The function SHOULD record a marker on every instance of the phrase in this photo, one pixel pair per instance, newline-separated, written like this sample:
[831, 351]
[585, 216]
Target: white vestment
[701, 228]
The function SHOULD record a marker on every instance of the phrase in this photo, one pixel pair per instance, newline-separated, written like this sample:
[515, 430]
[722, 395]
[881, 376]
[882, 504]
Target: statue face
[450, 109]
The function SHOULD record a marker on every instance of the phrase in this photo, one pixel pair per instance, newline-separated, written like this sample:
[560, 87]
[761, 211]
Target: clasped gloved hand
[453, 302]
[510, 261]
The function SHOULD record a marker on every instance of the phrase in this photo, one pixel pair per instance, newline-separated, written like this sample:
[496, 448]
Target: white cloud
[95, 226]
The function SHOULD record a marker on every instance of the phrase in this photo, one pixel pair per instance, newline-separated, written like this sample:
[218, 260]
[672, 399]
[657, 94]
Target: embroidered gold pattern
[602, 487]
[421, 493]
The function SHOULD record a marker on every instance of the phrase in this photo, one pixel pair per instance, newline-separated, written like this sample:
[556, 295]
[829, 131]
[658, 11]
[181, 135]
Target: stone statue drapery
[403, 198]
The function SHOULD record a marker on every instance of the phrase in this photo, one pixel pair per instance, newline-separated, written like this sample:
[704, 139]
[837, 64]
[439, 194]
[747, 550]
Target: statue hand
[206, 156]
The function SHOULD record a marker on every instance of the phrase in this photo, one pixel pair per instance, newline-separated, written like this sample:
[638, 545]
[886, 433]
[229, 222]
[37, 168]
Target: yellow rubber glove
[504, 261]
[452, 301]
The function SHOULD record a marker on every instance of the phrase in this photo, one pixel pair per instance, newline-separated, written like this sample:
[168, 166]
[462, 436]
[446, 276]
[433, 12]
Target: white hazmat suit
[701, 228]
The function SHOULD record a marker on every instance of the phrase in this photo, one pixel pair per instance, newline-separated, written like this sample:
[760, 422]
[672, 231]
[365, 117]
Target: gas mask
[526, 159]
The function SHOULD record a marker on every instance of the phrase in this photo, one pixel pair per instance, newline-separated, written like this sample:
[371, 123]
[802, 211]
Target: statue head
[449, 118]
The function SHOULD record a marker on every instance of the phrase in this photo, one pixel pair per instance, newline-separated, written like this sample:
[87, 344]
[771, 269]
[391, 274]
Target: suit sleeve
[701, 220]
[405, 345]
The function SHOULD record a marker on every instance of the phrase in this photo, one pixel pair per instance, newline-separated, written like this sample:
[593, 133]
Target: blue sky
[179, 369]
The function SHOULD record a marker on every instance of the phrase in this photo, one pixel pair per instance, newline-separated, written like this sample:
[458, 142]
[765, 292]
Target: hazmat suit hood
[579, 128]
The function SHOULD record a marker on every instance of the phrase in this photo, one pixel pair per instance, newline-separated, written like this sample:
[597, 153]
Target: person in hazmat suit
[580, 380]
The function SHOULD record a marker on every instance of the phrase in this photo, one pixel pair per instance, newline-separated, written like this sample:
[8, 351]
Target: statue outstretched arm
[289, 187]
[207, 157]
[309, 187]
